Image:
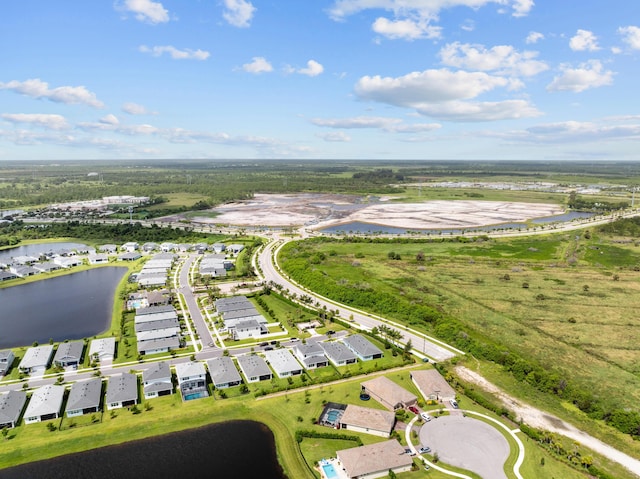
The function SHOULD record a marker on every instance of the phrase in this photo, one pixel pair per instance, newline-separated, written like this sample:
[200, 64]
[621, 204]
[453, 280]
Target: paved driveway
[467, 443]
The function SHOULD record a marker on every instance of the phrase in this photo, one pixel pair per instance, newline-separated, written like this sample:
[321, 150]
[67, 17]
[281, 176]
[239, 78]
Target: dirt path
[539, 419]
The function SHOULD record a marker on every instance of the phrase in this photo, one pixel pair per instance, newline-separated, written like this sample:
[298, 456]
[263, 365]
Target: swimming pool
[329, 471]
[198, 395]
[334, 415]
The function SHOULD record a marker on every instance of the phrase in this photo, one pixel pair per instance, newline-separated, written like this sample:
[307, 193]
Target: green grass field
[567, 301]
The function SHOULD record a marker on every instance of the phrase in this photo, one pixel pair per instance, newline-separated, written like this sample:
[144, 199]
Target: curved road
[427, 346]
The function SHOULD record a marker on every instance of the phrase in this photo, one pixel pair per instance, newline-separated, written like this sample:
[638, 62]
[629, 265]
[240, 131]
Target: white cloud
[444, 94]
[312, 69]
[49, 121]
[584, 40]
[430, 86]
[631, 36]
[238, 12]
[587, 75]
[577, 132]
[407, 29]
[36, 88]
[357, 122]
[503, 59]
[464, 111]
[147, 11]
[174, 53]
[335, 136]
[110, 119]
[136, 109]
[395, 125]
[257, 65]
[534, 37]
[422, 8]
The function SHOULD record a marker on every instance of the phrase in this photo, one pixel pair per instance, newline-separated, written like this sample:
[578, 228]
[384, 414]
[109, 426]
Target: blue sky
[312, 79]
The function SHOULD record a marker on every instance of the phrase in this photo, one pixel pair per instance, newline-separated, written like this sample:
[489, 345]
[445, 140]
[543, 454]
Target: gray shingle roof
[11, 405]
[45, 400]
[253, 366]
[361, 346]
[223, 371]
[337, 351]
[85, 394]
[69, 351]
[157, 371]
[122, 387]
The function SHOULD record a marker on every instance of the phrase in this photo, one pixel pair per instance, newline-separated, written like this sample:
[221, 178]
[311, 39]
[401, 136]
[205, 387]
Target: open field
[568, 302]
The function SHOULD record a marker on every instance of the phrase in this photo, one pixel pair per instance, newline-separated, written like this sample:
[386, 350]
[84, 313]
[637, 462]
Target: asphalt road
[467, 443]
[427, 346]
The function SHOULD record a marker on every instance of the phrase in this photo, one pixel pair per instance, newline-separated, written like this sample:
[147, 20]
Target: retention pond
[74, 306]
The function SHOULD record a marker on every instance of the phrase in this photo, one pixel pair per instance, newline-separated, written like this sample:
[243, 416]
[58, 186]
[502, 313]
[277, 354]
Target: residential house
[103, 349]
[338, 353]
[67, 262]
[192, 380]
[69, 354]
[363, 348]
[218, 247]
[235, 248]
[156, 381]
[100, 258]
[45, 404]
[108, 248]
[84, 397]
[36, 360]
[122, 391]
[132, 256]
[247, 329]
[223, 372]
[432, 385]
[149, 247]
[283, 362]
[130, 247]
[375, 460]
[388, 393]
[6, 360]
[47, 267]
[167, 247]
[7, 275]
[254, 368]
[11, 407]
[23, 271]
[311, 355]
[368, 420]
[158, 345]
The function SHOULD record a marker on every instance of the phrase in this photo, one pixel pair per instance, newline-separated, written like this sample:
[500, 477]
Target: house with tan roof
[432, 385]
[375, 460]
[368, 420]
[388, 393]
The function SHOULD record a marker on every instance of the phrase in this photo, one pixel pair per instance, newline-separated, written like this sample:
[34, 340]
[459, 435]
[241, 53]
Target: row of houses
[215, 265]
[69, 354]
[168, 247]
[157, 329]
[155, 272]
[240, 317]
[84, 397]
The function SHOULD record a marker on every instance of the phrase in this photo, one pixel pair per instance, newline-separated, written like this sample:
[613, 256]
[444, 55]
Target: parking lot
[467, 443]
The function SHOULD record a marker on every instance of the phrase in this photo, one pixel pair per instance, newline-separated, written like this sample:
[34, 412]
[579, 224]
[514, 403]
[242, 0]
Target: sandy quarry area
[323, 210]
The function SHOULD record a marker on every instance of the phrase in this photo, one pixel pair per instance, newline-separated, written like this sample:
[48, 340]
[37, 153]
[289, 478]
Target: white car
[425, 416]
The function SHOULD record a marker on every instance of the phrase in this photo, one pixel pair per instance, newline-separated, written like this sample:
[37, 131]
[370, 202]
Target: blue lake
[571, 215]
[234, 449]
[74, 306]
[357, 227]
[37, 249]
